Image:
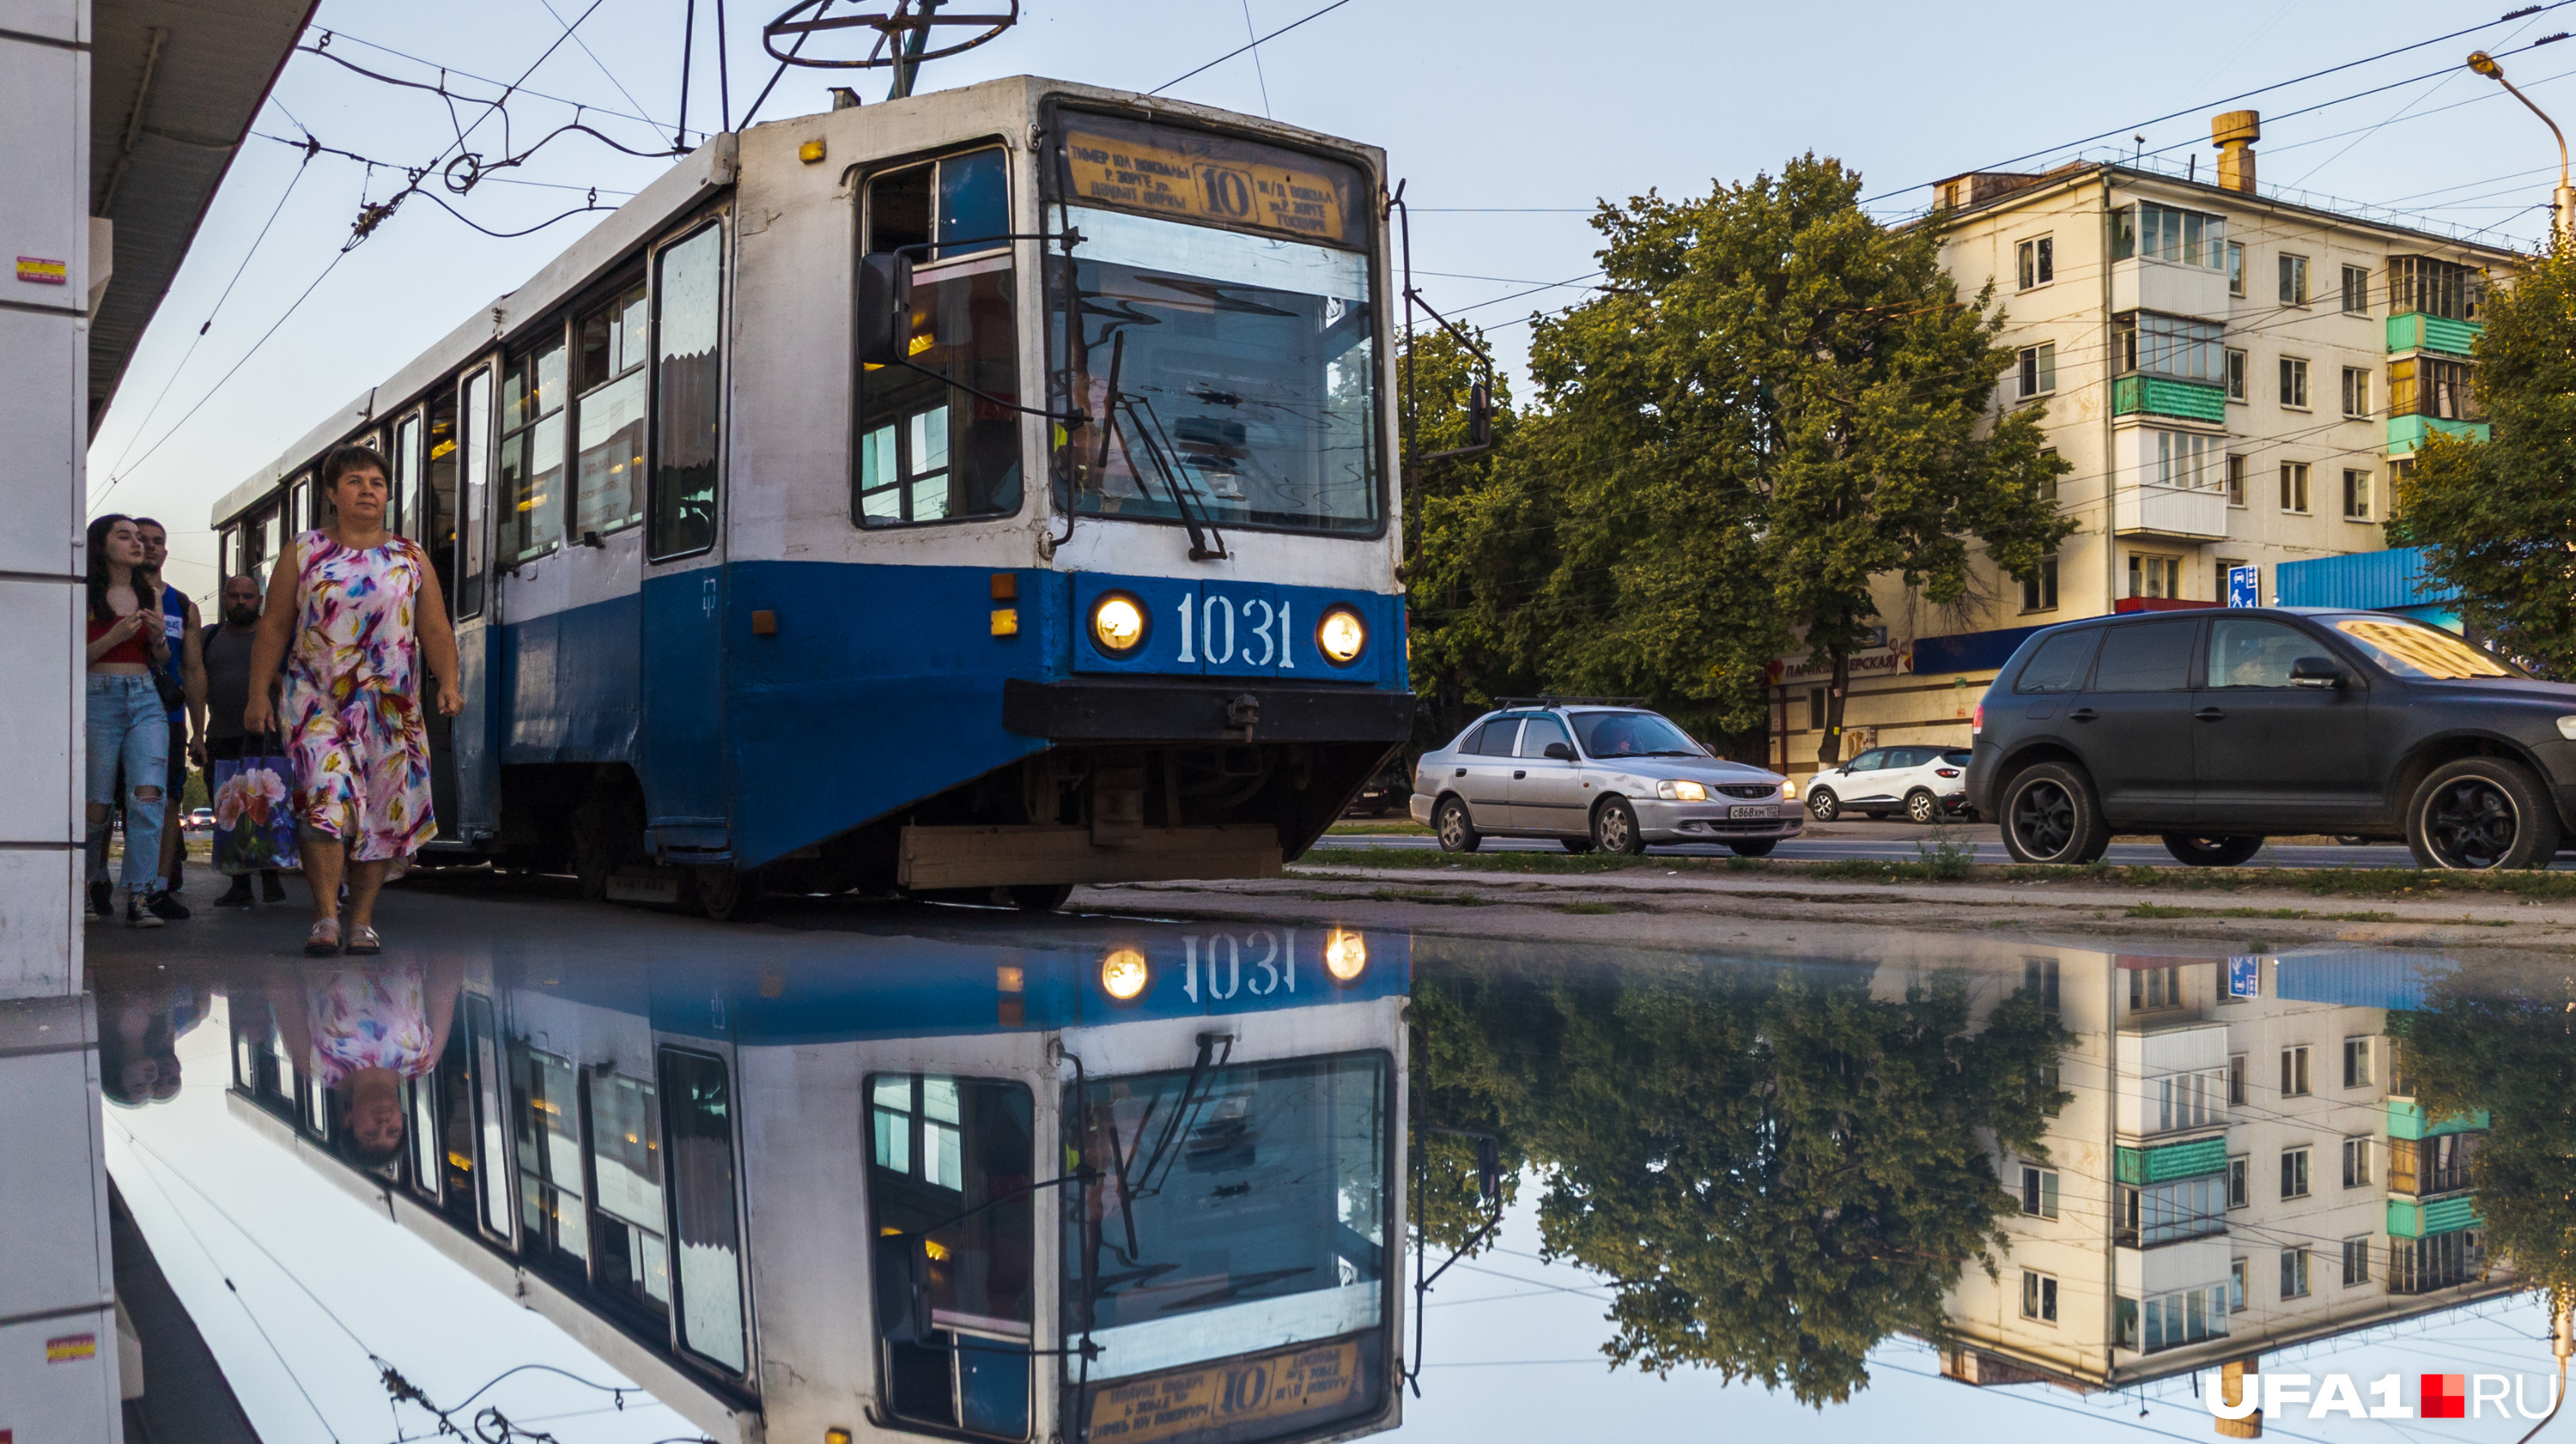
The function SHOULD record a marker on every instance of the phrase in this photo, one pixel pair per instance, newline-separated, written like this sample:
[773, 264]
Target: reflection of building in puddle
[2242, 1167]
[695, 1169]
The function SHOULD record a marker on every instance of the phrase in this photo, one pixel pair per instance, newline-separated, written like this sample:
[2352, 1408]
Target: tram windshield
[1242, 1218]
[1227, 285]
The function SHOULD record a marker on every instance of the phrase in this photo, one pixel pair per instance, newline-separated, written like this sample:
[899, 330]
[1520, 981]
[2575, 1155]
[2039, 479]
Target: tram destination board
[1212, 180]
[1231, 1399]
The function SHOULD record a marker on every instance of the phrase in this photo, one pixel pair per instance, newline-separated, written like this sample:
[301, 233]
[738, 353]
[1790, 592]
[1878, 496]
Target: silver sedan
[1613, 778]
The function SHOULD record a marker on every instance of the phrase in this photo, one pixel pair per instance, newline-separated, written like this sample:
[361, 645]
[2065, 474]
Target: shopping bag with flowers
[254, 816]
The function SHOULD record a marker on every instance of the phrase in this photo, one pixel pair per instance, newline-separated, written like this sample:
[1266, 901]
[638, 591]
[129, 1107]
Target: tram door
[680, 752]
[473, 759]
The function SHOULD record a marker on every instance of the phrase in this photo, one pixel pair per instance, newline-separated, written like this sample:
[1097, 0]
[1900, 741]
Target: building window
[2421, 1265]
[2294, 280]
[2169, 346]
[2236, 1079]
[2172, 1320]
[2431, 386]
[2356, 391]
[2356, 1062]
[2039, 979]
[2356, 1251]
[2187, 460]
[2236, 1286]
[2036, 262]
[2356, 495]
[2238, 1168]
[2294, 486]
[2236, 373]
[2440, 1164]
[2235, 480]
[2039, 589]
[2356, 1162]
[2151, 576]
[1815, 709]
[2038, 1297]
[2164, 233]
[2235, 268]
[2294, 1173]
[2356, 291]
[2038, 374]
[2436, 288]
[2294, 1072]
[2294, 1273]
[2039, 1191]
[2166, 1212]
[2294, 383]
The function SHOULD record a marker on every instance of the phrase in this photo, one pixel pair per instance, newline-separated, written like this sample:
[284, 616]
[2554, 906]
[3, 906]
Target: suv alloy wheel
[2050, 816]
[1823, 806]
[2479, 813]
[2193, 850]
[1922, 807]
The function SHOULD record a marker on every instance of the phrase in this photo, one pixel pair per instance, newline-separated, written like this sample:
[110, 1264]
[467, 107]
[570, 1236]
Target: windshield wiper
[1159, 450]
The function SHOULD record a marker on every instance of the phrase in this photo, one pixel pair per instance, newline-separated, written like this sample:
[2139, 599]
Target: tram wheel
[1040, 897]
[728, 894]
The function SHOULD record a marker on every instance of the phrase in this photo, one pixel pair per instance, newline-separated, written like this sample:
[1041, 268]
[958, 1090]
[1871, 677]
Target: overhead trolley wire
[2249, 94]
[1284, 29]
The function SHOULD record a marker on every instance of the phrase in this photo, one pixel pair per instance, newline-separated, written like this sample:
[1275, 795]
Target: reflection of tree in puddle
[1774, 1169]
[2507, 1046]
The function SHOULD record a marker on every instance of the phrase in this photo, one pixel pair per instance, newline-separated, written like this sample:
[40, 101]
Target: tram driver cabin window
[931, 448]
[688, 394]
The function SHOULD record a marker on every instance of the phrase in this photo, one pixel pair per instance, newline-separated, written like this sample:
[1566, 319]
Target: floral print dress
[367, 1015]
[360, 747]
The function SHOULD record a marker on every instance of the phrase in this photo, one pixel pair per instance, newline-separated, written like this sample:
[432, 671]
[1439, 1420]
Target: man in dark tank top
[226, 647]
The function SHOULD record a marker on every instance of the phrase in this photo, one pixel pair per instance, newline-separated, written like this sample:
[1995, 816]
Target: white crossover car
[1925, 783]
[1613, 778]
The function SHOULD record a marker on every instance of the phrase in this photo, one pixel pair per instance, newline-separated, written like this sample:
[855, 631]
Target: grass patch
[2384, 884]
[2160, 910]
[1587, 909]
[1379, 828]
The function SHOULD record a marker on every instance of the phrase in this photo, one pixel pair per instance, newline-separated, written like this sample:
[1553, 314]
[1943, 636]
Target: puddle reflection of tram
[1103, 1183]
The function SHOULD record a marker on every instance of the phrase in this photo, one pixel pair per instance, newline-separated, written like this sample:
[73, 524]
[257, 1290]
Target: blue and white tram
[1105, 1181]
[1085, 571]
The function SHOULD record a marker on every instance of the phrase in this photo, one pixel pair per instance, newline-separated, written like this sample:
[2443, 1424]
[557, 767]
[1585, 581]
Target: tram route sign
[1261, 187]
[1268, 1388]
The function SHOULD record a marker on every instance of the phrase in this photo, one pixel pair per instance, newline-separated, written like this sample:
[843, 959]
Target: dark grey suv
[2219, 728]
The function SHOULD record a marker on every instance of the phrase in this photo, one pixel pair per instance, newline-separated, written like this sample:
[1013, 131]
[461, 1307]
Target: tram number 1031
[1208, 625]
[1273, 970]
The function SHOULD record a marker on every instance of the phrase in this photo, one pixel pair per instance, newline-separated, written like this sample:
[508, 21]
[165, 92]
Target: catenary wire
[1284, 29]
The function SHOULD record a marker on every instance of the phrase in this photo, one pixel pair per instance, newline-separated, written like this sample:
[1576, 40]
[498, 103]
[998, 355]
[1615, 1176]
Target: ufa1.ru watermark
[2437, 1396]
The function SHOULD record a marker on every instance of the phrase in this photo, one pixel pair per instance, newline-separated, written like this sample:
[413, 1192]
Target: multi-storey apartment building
[2235, 377]
[2241, 1170]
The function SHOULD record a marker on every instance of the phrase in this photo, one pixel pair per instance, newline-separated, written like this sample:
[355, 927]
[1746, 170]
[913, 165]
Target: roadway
[1904, 841]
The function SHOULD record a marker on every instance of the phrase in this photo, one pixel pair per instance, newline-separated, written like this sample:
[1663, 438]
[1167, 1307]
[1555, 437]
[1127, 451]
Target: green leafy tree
[2509, 1047]
[1775, 1169]
[2500, 516]
[1775, 400]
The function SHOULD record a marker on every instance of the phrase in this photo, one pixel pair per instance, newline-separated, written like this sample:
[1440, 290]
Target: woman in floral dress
[351, 608]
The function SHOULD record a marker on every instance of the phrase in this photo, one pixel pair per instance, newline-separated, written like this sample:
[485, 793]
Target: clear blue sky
[1509, 119]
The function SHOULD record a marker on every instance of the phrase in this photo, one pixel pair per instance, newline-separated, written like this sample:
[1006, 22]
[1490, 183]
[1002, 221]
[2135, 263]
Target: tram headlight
[1117, 624]
[1341, 636]
[1345, 956]
[1123, 975]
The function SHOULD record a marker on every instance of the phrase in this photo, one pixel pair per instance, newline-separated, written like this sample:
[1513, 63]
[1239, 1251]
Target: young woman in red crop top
[127, 723]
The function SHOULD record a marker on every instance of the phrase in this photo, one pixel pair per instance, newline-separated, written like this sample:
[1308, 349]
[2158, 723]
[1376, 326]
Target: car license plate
[1744, 810]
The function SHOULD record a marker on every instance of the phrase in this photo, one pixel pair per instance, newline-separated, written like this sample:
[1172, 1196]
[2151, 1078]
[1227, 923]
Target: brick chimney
[2236, 131]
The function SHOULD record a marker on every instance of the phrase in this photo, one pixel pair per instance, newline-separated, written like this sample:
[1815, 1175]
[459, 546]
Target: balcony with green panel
[2413, 1218]
[2138, 1166]
[2418, 331]
[2434, 305]
[2407, 1119]
[2166, 396]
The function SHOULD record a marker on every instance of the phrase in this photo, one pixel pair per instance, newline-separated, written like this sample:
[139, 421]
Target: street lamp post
[2565, 200]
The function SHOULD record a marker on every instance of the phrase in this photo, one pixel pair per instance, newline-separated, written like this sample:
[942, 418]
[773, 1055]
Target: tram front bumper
[1203, 710]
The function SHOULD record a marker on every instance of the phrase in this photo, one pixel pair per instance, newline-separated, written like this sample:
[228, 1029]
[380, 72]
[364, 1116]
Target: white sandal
[324, 940]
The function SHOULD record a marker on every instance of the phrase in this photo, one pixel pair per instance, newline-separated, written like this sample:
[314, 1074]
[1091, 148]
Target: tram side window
[474, 500]
[435, 524]
[952, 1162]
[930, 451]
[405, 501]
[228, 553]
[553, 1217]
[532, 453]
[688, 401]
[630, 1257]
[610, 380]
[698, 1125]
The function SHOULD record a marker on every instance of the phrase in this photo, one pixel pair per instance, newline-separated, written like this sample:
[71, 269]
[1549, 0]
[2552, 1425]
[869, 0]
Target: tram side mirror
[1480, 415]
[884, 317]
[1560, 752]
[2318, 672]
[903, 1289]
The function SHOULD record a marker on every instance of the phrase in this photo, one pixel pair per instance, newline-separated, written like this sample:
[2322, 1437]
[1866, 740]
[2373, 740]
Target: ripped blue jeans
[127, 723]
